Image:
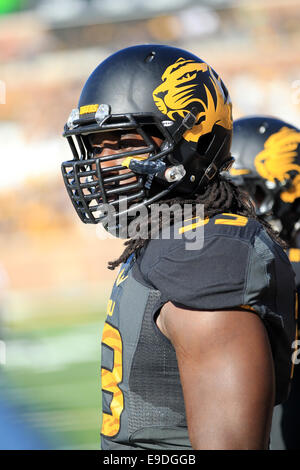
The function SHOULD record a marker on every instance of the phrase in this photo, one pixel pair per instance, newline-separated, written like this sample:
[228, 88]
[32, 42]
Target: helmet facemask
[93, 180]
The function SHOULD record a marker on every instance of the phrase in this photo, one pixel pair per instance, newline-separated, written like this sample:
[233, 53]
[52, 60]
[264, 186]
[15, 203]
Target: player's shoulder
[225, 242]
[228, 239]
[228, 260]
[228, 230]
[226, 224]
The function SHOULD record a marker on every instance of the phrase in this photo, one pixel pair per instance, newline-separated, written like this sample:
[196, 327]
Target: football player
[267, 166]
[196, 348]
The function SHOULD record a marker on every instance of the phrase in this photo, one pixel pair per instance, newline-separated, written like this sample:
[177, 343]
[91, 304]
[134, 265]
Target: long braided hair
[219, 196]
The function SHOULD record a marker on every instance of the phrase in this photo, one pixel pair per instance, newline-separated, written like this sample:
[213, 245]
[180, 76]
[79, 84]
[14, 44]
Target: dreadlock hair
[219, 196]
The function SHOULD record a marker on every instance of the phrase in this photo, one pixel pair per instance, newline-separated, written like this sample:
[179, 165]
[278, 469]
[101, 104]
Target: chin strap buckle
[187, 123]
[211, 171]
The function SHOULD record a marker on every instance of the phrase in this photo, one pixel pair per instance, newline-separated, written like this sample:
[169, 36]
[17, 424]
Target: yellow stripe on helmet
[89, 108]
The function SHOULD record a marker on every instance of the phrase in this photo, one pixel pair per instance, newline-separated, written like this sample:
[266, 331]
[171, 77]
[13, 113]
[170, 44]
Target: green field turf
[52, 371]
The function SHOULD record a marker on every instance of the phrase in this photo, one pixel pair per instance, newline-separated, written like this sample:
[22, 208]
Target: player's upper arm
[225, 364]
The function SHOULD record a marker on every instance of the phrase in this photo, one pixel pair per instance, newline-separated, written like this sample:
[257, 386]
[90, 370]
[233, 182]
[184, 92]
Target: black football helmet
[267, 166]
[154, 91]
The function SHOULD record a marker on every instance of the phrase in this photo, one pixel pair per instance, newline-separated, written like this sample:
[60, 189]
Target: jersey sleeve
[226, 273]
[213, 277]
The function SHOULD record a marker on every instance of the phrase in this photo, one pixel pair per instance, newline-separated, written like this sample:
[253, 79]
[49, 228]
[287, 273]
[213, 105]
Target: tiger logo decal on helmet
[278, 159]
[181, 87]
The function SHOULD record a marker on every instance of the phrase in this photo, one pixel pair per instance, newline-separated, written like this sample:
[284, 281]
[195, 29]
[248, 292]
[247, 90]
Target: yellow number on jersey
[110, 381]
[238, 220]
[198, 223]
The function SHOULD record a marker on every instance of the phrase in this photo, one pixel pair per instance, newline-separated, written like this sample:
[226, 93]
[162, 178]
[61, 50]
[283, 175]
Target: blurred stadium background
[54, 284]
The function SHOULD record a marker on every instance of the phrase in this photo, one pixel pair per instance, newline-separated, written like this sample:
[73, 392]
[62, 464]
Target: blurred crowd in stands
[48, 49]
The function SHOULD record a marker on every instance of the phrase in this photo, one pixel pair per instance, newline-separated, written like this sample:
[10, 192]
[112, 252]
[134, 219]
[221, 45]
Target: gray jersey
[239, 266]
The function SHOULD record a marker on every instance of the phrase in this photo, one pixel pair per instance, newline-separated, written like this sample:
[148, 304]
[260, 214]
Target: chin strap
[187, 123]
[216, 165]
[144, 166]
[153, 167]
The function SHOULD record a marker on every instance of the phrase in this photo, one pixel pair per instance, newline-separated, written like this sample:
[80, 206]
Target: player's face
[110, 144]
